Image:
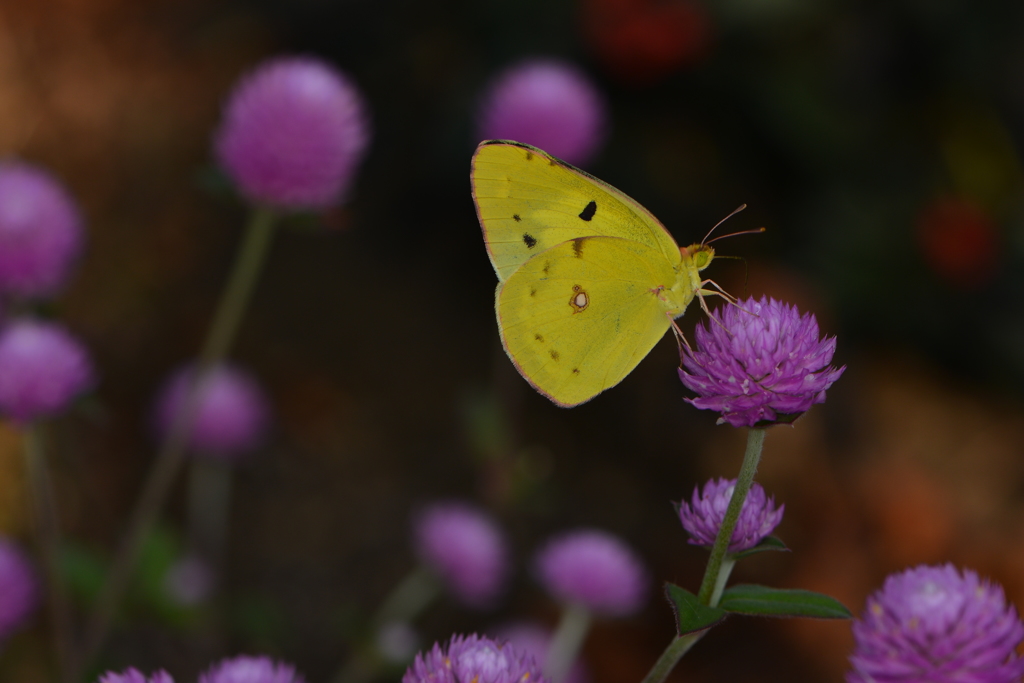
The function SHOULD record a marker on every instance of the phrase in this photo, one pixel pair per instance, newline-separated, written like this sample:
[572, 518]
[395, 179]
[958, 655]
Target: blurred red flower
[643, 41]
[958, 240]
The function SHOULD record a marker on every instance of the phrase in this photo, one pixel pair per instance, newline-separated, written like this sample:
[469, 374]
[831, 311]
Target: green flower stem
[404, 603]
[171, 454]
[566, 642]
[679, 646]
[723, 578]
[752, 456]
[209, 504]
[408, 599]
[719, 564]
[235, 298]
[44, 518]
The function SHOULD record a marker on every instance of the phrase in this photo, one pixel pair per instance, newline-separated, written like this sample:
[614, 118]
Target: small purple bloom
[703, 517]
[548, 104]
[135, 676]
[934, 623]
[19, 589]
[293, 134]
[40, 231]
[535, 641]
[474, 659]
[231, 415]
[189, 581]
[397, 642]
[42, 369]
[245, 669]
[594, 569]
[465, 548]
[762, 365]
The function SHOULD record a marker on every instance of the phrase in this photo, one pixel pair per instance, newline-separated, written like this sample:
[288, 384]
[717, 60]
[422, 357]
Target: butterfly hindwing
[529, 201]
[577, 318]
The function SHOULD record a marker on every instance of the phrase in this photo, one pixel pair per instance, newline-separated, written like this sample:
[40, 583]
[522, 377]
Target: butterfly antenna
[731, 214]
[733, 234]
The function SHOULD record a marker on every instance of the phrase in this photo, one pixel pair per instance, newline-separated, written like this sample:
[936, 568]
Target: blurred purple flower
[465, 548]
[246, 669]
[294, 131]
[189, 581]
[594, 569]
[397, 641]
[474, 659]
[548, 104]
[135, 676]
[703, 517]
[42, 369]
[19, 589]
[40, 231]
[762, 365]
[231, 416]
[535, 640]
[932, 623]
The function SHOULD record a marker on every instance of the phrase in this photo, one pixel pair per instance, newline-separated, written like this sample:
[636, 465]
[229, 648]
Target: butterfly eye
[701, 255]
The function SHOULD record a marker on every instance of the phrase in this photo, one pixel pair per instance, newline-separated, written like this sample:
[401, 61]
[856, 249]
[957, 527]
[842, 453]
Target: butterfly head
[700, 254]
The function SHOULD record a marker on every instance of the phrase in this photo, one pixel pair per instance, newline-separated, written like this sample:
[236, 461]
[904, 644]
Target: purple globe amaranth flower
[246, 669]
[535, 640]
[135, 676]
[932, 623]
[19, 588]
[40, 231]
[232, 412]
[703, 517]
[594, 569]
[42, 369]
[474, 659]
[465, 548]
[547, 104]
[293, 133]
[763, 364]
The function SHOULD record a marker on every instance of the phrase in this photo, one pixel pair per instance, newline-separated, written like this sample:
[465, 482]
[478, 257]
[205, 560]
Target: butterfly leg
[701, 293]
[722, 293]
[717, 291]
[680, 337]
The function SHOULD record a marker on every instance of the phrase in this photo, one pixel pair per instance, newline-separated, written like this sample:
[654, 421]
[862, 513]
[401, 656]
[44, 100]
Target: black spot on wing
[516, 217]
[588, 211]
[553, 354]
[539, 337]
[575, 371]
[533, 291]
[529, 240]
[529, 155]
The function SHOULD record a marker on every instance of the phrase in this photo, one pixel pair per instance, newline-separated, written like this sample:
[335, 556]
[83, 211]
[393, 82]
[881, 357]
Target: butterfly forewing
[577, 318]
[528, 201]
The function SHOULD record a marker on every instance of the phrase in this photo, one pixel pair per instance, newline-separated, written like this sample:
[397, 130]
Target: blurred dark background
[878, 142]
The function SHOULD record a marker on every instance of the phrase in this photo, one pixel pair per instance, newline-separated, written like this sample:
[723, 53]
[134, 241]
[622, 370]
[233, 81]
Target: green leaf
[769, 543]
[691, 615]
[775, 602]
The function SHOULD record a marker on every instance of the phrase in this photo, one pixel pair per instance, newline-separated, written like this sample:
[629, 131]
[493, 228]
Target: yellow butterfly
[589, 280]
